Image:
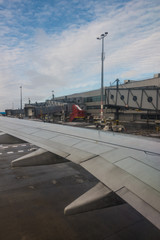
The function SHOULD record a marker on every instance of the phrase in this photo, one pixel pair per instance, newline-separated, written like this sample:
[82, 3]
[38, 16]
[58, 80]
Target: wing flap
[141, 206]
[116, 178]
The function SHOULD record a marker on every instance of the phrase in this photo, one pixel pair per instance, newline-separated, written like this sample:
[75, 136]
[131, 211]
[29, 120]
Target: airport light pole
[21, 97]
[102, 68]
[52, 94]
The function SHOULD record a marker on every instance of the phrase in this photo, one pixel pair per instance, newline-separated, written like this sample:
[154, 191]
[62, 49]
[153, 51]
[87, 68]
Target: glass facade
[93, 107]
[94, 99]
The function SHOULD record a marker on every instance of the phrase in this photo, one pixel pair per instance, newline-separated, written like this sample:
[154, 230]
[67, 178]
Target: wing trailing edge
[141, 206]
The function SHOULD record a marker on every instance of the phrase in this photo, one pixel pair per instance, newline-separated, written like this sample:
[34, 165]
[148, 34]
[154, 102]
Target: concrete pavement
[32, 201]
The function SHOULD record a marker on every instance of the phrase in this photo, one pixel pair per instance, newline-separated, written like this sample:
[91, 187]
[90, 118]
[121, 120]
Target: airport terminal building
[132, 100]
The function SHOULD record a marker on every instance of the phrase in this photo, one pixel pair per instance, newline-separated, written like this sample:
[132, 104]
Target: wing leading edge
[127, 165]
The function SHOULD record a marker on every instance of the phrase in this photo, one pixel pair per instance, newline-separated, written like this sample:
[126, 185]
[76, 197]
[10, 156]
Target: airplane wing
[126, 166]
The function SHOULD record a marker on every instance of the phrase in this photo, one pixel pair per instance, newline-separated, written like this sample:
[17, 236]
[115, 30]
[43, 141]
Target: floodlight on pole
[21, 97]
[52, 94]
[102, 68]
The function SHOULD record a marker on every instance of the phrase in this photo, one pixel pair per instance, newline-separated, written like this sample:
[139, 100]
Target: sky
[51, 45]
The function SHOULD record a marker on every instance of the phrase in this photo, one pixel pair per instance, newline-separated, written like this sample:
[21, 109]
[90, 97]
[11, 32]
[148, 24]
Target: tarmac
[32, 201]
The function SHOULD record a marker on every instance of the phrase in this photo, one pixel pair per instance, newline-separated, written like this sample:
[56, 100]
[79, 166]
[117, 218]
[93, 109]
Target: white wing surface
[129, 166]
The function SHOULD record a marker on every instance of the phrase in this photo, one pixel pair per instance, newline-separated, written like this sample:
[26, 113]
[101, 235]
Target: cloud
[67, 58]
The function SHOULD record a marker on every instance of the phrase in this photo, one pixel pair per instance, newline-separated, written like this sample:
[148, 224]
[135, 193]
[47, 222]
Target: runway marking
[0, 153]
[5, 147]
[15, 146]
[9, 152]
[21, 151]
[24, 145]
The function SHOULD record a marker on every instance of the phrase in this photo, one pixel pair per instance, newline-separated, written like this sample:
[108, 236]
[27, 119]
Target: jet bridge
[135, 98]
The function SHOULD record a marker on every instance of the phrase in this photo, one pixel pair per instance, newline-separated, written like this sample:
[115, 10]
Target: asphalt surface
[32, 200]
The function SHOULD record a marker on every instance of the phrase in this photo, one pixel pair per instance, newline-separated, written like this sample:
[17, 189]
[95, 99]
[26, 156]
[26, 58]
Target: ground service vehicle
[77, 113]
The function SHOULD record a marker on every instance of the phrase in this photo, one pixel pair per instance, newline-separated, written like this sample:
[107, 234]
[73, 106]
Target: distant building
[2, 113]
[48, 110]
[14, 112]
[134, 100]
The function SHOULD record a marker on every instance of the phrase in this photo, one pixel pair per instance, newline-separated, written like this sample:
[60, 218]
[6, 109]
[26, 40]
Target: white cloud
[70, 60]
